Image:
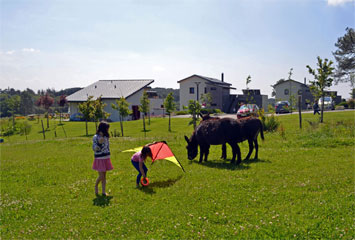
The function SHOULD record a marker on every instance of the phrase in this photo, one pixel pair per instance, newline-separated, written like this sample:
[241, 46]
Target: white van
[328, 103]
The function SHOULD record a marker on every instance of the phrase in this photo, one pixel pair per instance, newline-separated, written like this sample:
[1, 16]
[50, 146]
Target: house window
[213, 88]
[205, 90]
[286, 92]
[213, 104]
[300, 92]
[192, 90]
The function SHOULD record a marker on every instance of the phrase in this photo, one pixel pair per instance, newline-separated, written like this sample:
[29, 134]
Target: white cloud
[32, 50]
[338, 2]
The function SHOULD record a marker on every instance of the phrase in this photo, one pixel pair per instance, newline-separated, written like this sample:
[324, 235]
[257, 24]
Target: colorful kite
[160, 151]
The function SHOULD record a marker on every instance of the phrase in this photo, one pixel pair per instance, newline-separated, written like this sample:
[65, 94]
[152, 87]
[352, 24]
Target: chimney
[222, 77]
[305, 81]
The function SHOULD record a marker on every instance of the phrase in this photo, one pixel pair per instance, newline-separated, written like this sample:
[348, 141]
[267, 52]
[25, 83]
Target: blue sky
[73, 43]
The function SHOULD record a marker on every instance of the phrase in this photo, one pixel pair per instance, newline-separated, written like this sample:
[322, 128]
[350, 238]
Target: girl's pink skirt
[102, 164]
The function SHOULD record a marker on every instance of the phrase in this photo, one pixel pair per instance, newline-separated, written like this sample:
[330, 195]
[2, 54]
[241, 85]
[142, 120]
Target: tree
[206, 99]
[99, 112]
[194, 108]
[323, 80]
[122, 108]
[144, 107]
[345, 58]
[46, 102]
[87, 109]
[26, 102]
[170, 106]
[62, 102]
[14, 104]
[248, 80]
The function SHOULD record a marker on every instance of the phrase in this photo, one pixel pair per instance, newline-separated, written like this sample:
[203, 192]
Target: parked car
[328, 103]
[76, 117]
[282, 107]
[248, 110]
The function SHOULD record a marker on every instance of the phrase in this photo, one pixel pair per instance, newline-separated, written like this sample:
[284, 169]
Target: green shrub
[181, 113]
[270, 123]
[351, 103]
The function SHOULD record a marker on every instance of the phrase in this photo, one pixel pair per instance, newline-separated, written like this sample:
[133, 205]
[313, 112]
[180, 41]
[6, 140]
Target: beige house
[289, 90]
[193, 87]
[111, 90]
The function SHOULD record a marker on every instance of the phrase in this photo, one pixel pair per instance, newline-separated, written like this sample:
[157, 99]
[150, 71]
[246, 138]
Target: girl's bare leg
[103, 183]
[98, 180]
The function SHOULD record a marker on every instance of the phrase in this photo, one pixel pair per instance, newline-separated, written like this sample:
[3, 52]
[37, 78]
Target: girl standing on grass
[102, 162]
[138, 162]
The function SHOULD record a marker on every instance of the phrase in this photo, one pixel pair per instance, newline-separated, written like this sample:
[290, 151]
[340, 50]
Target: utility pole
[197, 91]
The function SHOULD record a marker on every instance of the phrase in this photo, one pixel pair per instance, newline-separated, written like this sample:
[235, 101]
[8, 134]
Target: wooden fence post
[44, 135]
[299, 110]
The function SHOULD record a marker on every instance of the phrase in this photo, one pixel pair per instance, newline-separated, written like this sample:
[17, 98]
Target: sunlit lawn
[301, 187]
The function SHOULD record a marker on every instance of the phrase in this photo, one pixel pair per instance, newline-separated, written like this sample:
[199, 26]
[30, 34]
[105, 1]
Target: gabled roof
[111, 89]
[212, 80]
[286, 81]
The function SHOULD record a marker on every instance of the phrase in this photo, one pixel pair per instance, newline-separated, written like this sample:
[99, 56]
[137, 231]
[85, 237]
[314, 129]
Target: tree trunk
[322, 109]
[144, 122]
[121, 126]
[47, 119]
[86, 125]
[169, 123]
[299, 111]
[44, 135]
[60, 116]
[13, 119]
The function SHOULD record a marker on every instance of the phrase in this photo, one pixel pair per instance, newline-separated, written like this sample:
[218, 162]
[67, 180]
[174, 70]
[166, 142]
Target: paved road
[284, 114]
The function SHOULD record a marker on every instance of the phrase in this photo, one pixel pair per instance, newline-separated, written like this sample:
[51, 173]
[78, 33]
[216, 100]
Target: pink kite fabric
[160, 151]
[102, 164]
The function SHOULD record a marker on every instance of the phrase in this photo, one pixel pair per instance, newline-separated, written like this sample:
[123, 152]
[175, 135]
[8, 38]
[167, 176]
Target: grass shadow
[89, 135]
[224, 164]
[249, 161]
[160, 184]
[102, 201]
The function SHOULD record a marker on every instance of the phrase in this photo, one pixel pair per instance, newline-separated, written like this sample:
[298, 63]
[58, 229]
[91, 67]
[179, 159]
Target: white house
[111, 90]
[191, 88]
[290, 90]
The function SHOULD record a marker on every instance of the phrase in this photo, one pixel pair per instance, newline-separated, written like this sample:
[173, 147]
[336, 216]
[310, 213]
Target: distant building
[289, 90]
[111, 90]
[192, 88]
[252, 96]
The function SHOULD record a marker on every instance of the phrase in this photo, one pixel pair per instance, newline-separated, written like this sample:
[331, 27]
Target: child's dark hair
[103, 127]
[146, 152]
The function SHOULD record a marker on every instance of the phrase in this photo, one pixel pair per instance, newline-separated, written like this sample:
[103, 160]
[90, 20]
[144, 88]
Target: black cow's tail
[261, 131]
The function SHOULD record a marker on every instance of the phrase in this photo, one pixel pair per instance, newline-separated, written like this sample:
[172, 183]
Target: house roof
[110, 89]
[212, 80]
[289, 81]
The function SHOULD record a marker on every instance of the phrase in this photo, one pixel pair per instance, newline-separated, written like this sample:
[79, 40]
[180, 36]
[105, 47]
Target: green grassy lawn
[301, 187]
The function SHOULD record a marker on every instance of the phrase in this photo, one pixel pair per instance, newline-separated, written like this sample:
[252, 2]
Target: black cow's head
[192, 149]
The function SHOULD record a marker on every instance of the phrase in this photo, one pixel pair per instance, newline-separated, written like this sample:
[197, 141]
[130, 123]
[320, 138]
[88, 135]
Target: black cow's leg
[251, 147]
[224, 151]
[201, 153]
[207, 151]
[236, 151]
[256, 148]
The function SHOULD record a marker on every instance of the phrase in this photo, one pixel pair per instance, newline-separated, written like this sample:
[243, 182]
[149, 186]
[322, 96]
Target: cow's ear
[187, 139]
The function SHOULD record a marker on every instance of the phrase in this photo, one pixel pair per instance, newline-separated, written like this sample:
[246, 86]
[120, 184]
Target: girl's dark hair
[103, 127]
[146, 152]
